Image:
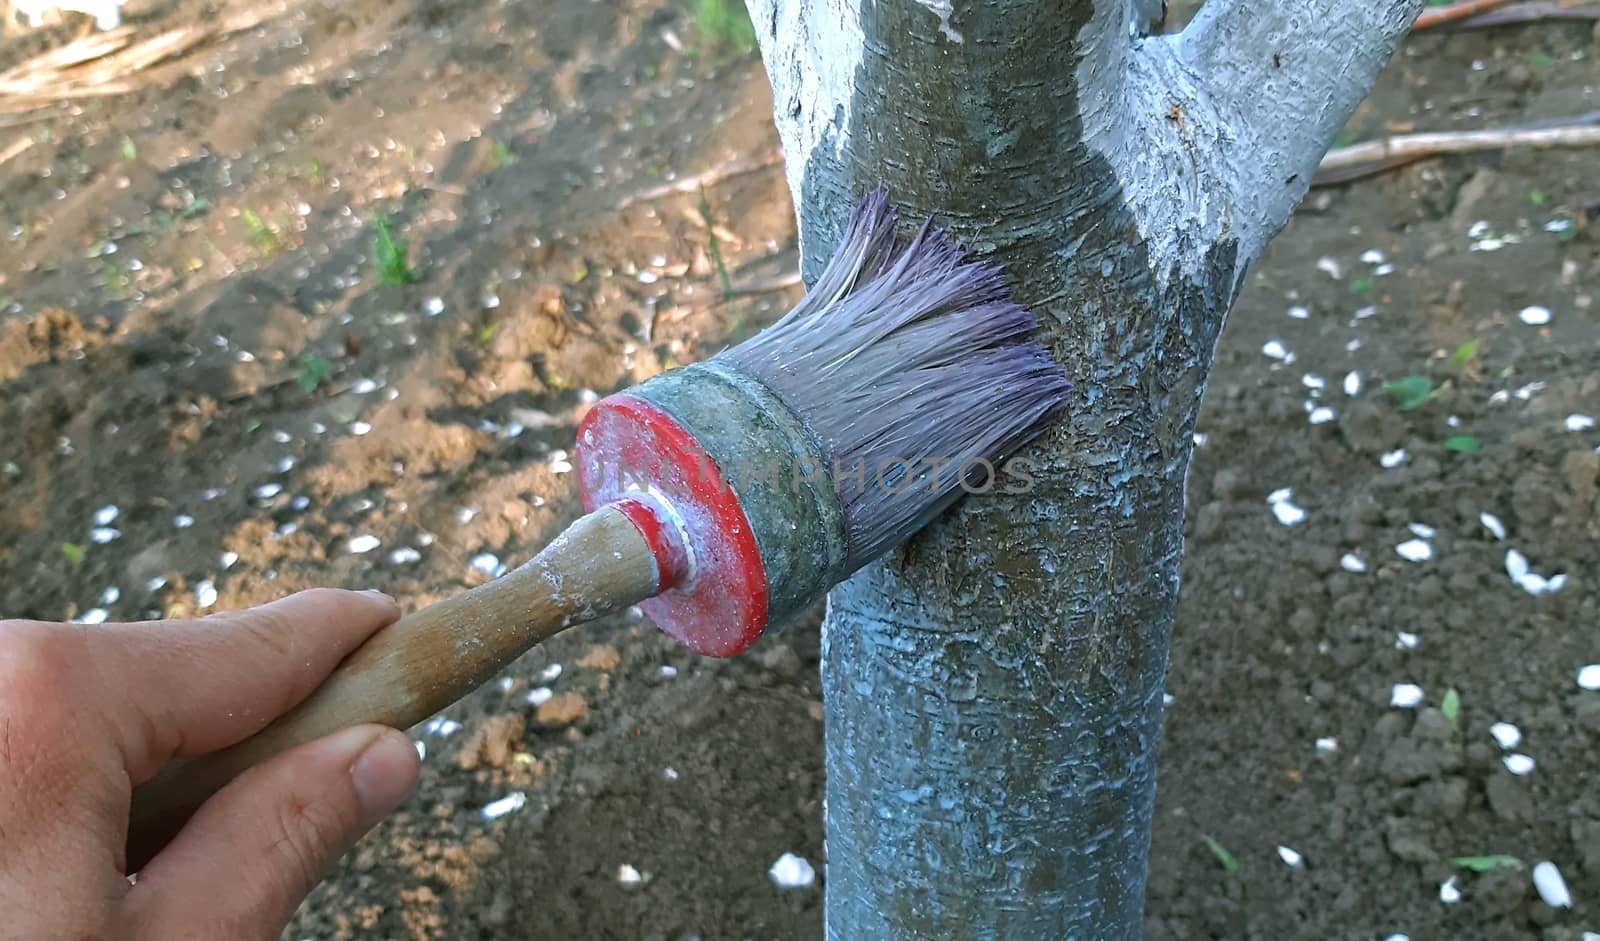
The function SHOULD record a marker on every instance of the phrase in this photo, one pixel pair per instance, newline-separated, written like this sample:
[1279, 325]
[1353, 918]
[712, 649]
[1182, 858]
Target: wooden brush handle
[422, 663]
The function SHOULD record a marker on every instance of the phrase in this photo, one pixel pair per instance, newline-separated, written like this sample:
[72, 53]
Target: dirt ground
[208, 398]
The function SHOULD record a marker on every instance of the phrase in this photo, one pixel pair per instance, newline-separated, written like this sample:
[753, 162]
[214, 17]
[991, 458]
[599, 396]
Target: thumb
[250, 855]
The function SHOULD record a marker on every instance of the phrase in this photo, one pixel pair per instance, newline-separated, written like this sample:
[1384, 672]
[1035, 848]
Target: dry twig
[1530, 13]
[1439, 16]
[1369, 157]
[727, 170]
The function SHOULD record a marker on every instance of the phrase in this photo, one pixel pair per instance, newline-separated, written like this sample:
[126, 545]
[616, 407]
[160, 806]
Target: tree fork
[993, 690]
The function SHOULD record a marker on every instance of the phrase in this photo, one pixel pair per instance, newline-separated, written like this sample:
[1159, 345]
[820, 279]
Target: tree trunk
[993, 690]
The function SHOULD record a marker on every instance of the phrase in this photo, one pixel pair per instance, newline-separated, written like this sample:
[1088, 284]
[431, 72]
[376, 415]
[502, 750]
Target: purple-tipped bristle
[905, 357]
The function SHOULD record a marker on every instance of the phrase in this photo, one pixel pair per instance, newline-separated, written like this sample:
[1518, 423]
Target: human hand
[87, 713]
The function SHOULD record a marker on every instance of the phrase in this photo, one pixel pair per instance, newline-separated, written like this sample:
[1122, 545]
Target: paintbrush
[723, 496]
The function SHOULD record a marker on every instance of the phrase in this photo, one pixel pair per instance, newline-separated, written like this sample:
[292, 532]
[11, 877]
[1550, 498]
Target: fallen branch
[1367, 158]
[110, 63]
[1438, 16]
[1529, 13]
[14, 148]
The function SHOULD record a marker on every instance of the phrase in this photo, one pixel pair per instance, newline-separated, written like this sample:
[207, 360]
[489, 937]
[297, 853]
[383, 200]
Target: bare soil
[194, 330]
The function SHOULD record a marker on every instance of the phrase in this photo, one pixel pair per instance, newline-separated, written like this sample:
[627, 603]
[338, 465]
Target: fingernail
[378, 594]
[385, 774]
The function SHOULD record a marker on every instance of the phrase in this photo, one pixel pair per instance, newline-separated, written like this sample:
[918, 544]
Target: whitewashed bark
[993, 690]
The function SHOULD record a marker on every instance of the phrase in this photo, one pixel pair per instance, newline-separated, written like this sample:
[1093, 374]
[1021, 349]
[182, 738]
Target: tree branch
[1286, 75]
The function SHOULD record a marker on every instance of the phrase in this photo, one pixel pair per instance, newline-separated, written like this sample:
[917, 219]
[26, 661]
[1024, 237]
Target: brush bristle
[905, 357]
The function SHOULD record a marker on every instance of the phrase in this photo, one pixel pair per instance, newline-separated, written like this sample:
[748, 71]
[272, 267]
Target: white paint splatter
[364, 386]
[792, 872]
[1393, 458]
[359, 428]
[1274, 349]
[102, 535]
[1291, 858]
[666, 671]
[363, 544]
[1299, 312]
[1352, 384]
[1405, 640]
[1552, 888]
[1322, 415]
[268, 491]
[1578, 422]
[421, 747]
[1327, 745]
[1449, 892]
[1405, 696]
[1331, 267]
[227, 559]
[627, 875]
[1534, 316]
[1423, 531]
[405, 555]
[106, 515]
[1352, 562]
[183, 521]
[1519, 764]
[550, 673]
[1372, 257]
[942, 9]
[205, 594]
[1589, 677]
[539, 695]
[111, 596]
[1492, 524]
[92, 616]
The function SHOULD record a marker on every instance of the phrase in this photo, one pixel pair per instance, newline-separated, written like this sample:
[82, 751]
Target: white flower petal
[1552, 888]
[1506, 735]
[514, 801]
[1414, 550]
[792, 872]
[1519, 764]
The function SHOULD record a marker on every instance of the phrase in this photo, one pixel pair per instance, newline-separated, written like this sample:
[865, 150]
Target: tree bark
[993, 690]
